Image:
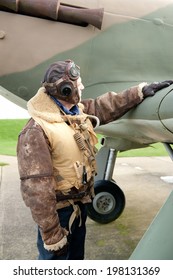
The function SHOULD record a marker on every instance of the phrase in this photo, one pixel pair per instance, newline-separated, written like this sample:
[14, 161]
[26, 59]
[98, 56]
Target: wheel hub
[104, 203]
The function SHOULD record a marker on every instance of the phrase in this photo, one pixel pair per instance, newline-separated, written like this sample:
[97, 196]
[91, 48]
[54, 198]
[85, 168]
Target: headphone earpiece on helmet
[66, 88]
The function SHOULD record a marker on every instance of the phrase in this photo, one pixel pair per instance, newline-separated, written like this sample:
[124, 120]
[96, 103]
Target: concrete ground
[146, 182]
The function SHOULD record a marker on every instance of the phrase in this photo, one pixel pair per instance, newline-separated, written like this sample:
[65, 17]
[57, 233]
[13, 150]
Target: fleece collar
[42, 106]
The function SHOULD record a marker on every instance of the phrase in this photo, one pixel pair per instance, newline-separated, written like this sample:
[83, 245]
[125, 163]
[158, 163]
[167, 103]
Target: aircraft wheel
[108, 203]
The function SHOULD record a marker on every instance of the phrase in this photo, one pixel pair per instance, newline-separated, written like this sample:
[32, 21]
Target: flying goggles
[72, 70]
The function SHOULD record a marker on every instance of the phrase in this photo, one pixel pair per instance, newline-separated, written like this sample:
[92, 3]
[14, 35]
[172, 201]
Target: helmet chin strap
[74, 97]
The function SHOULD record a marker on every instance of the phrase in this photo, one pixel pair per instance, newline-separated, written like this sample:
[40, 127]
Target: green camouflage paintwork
[127, 50]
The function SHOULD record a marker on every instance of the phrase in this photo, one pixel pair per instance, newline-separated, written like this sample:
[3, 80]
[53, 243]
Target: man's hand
[151, 89]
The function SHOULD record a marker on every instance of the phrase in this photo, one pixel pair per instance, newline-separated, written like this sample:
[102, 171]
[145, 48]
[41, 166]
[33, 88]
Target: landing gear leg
[109, 200]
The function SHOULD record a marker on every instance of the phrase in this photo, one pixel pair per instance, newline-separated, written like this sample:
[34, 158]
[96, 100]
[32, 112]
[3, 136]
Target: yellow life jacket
[72, 141]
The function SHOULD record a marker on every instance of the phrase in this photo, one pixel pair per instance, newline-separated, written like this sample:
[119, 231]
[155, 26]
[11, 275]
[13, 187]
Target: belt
[61, 197]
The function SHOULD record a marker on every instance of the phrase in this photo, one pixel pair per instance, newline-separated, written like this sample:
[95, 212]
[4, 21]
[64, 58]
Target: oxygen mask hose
[80, 141]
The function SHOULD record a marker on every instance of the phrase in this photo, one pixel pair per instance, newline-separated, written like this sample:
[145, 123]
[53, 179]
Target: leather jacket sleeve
[111, 106]
[37, 181]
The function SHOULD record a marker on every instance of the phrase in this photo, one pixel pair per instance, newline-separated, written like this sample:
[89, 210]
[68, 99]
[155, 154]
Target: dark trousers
[76, 240]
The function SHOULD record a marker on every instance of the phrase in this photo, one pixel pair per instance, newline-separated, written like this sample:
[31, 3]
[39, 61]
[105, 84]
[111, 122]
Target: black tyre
[108, 203]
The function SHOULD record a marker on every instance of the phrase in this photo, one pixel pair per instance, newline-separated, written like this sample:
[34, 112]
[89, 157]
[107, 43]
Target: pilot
[56, 155]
